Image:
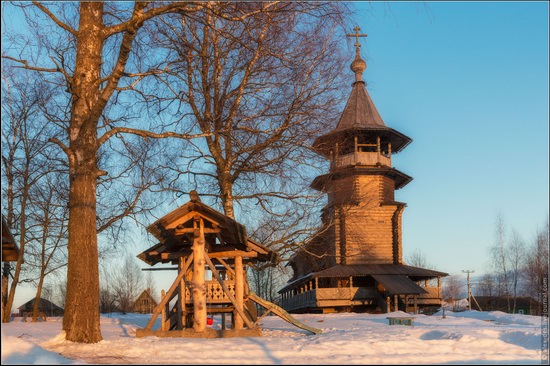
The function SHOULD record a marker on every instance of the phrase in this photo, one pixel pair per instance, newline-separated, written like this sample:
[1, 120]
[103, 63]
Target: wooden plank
[226, 290]
[282, 313]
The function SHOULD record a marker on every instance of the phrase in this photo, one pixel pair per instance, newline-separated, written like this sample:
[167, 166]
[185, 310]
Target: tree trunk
[37, 297]
[81, 319]
[226, 189]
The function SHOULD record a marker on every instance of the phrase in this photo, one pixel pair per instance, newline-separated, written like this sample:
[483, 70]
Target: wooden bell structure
[211, 252]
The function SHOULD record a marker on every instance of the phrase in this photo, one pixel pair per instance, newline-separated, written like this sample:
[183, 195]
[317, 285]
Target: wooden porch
[356, 297]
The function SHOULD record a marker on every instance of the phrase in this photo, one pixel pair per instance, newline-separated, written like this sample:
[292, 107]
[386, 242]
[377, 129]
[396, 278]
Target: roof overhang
[323, 144]
[343, 271]
[10, 250]
[399, 285]
[226, 238]
[321, 182]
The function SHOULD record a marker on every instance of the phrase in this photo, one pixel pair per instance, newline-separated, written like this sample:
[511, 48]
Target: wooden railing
[363, 158]
[214, 292]
[313, 297]
[433, 293]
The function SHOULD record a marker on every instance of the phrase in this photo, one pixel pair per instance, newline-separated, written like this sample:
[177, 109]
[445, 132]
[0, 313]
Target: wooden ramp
[277, 310]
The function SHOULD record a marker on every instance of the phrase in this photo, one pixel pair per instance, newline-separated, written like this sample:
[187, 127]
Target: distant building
[45, 306]
[355, 262]
[524, 305]
[145, 303]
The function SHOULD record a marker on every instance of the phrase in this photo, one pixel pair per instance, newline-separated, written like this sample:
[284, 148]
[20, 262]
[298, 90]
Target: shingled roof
[172, 232]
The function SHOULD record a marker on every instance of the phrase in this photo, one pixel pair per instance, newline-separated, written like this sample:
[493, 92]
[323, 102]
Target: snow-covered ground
[468, 337]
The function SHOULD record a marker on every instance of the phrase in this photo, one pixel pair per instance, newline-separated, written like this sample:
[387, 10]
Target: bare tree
[452, 292]
[27, 162]
[151, 286]
[127, 283]
[500, 259]
[418, 259]
[260, 91]
[61, 290]
[487, 285]
[516, 258]
[48, 234]
[536, 266]
[91, 51]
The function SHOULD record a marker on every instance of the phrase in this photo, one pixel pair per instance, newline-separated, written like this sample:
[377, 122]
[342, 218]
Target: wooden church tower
[361, 238]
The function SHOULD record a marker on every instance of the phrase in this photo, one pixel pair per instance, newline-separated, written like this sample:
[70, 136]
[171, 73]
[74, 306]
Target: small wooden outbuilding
[211, 251]
[46, 307]
[145, 303]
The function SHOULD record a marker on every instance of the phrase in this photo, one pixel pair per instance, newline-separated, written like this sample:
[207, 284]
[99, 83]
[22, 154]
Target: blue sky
[468, 82]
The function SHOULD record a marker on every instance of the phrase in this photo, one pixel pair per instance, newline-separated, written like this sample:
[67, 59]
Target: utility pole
[469, 292]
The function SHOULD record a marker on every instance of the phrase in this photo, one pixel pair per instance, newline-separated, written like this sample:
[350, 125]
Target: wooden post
[223, 321]
[199, 287]
[396, 304]
[389, 149]
[388, 304]
[355, 149]
[378, 144]
[239, 292]
[182, 309]
[415, 304]
[336, 155]
[163, 316]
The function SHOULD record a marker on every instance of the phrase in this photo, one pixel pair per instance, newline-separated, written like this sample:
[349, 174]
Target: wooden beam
[164, 300]
[233, 254]
[176, 255]
[187, 217]
[226, 290]
[199, 286]
[190, 230]
[263, 316]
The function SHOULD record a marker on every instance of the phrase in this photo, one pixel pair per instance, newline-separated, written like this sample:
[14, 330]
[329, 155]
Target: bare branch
[54, 18]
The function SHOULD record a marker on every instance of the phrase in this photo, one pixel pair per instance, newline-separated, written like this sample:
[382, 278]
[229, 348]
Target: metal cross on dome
[356, 35]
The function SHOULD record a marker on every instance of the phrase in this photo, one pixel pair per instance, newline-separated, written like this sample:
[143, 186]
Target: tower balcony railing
[361, 158]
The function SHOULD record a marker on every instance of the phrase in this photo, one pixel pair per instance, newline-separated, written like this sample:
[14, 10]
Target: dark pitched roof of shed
[42, 304]
[399, 284]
